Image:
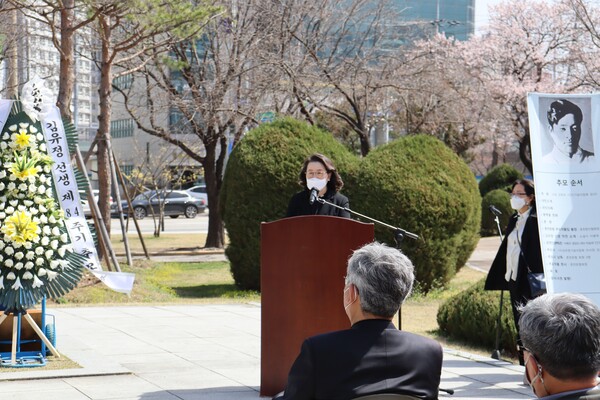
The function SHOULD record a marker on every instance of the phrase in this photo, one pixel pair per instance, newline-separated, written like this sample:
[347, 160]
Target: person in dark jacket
[562, 346]
[319, 172]
[373, 356]
[519, 253]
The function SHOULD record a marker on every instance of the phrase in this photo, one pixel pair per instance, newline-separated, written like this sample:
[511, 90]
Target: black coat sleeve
[301, 379]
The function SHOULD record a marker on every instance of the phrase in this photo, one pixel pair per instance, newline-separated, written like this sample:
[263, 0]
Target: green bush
[501, 200]
[261, 176]
[500, 177]
[472, 316]
[418, 184]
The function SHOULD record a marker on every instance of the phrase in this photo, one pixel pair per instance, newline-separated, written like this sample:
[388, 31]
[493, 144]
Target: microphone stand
[399, 233]
[496, 352]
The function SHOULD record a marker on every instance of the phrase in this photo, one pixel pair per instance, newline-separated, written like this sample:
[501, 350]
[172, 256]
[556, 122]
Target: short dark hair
[383, 277]
[562, 333]
[560, 108]
[335, 183]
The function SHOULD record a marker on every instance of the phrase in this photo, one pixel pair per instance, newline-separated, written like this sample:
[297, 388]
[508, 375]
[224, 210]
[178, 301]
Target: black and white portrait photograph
[568, 130]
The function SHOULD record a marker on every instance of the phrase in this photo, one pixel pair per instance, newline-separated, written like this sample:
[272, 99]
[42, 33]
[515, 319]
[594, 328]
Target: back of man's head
[383, 277]
[562, 331]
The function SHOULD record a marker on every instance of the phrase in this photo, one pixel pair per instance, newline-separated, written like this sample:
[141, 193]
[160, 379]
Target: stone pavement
[189, 352]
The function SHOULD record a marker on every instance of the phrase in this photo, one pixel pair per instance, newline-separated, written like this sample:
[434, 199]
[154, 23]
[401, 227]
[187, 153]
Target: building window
[121, 128]
[123, 82]
[126, 169]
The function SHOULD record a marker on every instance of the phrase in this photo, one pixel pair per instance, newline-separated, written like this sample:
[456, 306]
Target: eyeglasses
[519, 194]
[318, 174]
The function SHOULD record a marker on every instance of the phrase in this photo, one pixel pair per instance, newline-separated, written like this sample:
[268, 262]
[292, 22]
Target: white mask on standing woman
[517, 202]
[316, 183]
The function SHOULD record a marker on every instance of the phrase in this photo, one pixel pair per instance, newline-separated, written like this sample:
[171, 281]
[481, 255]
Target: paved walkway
[208, 352]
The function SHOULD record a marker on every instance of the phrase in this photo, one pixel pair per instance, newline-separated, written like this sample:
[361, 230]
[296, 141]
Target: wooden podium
[303, 264]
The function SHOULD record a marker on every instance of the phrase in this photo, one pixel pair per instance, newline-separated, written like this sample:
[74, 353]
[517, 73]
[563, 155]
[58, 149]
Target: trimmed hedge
[472, 316]
[501, 200]
[418, 184]
[261, 177]
[500, 177]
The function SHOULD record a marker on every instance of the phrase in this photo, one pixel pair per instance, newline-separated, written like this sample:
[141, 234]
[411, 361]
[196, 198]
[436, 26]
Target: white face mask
[316, 183]
[517, 202]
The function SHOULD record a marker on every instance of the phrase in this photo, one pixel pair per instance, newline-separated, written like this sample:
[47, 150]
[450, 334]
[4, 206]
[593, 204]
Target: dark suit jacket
[532, 257]
[593, 394]
[299, 205]
[371, 357]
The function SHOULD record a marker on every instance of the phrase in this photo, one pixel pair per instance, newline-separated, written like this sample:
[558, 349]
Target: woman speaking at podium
[319, 179]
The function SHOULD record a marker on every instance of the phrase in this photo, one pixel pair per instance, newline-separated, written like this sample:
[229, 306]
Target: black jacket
[531, 256]
[299, 205]
[371, 357]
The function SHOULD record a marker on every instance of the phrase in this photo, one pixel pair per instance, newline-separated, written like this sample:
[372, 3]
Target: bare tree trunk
[103, 134]
[67, 66]
[212, 176]
[525, 152]
[12, 84]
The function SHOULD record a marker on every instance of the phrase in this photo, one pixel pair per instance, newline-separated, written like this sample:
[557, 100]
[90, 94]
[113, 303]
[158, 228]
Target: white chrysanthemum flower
[9, 250]
[36, 282]
[51, 219]
[49, 192]
[11, 128]
[12, 178]
[39, 137]
[43, 219]
[61, 251]
[2, 215]
[2, 174]
[30, 255]
[54, 244]
[64, 238]
[1, 282]
[55, 231]
[46, 230]
[17, 285]
[41, 271]
[3, 145]
[11, 185]
[45, 241]
[11, 276]
[32, 188]
[2, 186]
[53, 264]
[43, 178]
[19, 266]
[21, 207]
[49, 253]
[51, 275]
[32, 129]
[28, 245]
[28, 203]
[47, 169]
[10, 210]
[43, 209]
[33, 211]
[2, 244]
[27, 275]
[19, 255]
[9, 263]
[1, 257]
[41, 189]
[43, 147]
[39, 261]
[37, 200]
[39, 250]
[29, 265]
[17, 245]
[23, 187]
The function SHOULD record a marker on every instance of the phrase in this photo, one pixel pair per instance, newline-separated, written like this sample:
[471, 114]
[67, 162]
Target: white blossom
[36, 282]
[27, 275]
[11, 276]
[17, 285]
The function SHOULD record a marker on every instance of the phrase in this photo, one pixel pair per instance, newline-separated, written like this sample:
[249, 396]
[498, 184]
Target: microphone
[494, 210]
[314, 193]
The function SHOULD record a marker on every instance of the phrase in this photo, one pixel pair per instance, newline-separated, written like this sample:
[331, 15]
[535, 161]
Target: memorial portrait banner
[564, 138]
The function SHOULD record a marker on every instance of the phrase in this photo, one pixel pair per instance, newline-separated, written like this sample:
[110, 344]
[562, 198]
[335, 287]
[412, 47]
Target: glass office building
[454, 18]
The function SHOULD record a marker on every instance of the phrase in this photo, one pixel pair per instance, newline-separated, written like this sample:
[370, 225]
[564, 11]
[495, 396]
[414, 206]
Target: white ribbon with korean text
[70, 202]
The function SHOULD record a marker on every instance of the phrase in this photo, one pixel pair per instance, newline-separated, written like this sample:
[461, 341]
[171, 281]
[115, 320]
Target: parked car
[199, 192]
[176, 203]
[86, 205]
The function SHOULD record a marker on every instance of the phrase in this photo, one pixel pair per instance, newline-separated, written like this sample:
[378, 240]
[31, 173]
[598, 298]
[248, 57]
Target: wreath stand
[20, 358]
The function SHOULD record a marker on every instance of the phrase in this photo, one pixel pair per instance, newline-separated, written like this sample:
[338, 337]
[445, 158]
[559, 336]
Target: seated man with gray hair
[372, 356]
[561, 343]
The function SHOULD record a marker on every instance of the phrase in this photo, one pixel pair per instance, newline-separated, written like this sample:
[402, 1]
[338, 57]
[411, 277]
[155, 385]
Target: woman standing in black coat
[319, 172]
[519, 253]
